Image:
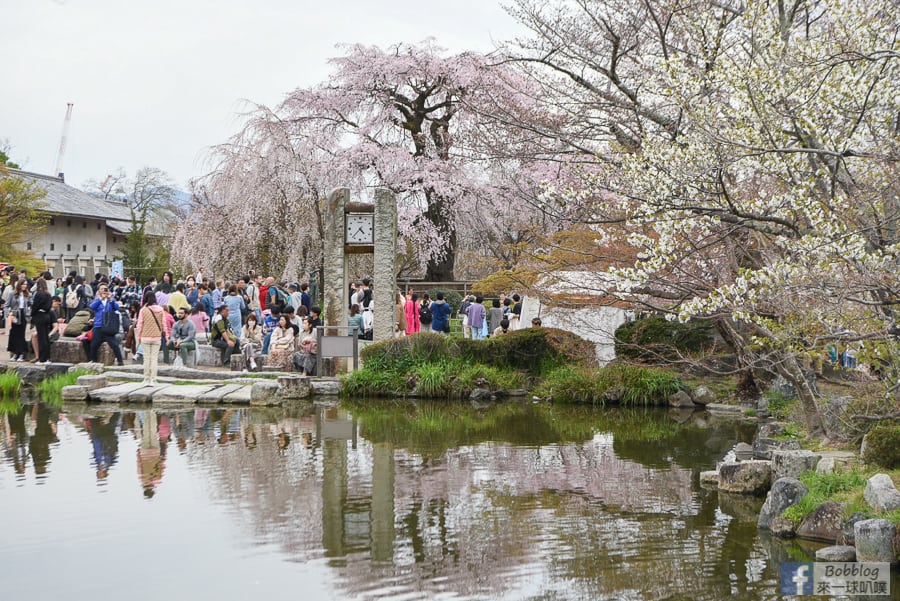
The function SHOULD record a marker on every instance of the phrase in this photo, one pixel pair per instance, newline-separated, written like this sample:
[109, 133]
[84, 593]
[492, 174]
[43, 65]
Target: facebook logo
[796, 578]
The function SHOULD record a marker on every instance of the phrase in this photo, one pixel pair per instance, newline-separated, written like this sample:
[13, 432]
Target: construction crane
[62, 141]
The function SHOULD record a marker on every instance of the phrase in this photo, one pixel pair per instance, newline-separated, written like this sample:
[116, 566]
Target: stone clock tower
[355, 228]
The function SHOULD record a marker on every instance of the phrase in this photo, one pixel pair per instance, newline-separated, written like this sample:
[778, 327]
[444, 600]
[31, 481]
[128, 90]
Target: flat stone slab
[241, 396]
[188, 393]
[115, 394]
[218, 393]
[720, 408]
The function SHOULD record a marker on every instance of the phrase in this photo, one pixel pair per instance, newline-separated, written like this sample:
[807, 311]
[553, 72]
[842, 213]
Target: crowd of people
[251, 316]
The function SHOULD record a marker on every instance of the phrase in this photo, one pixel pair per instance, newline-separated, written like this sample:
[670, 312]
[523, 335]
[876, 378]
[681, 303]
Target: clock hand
[361, 231]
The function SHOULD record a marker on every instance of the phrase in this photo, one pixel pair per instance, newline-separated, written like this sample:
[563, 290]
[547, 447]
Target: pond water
[392, 500]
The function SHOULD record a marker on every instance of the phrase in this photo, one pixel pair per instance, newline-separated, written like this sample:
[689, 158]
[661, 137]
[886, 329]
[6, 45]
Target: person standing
[106, 310]
[236, 309]
[42, 319]
[411, 308]
[19, 315]
[355, 321]
[149, 332]
[495, 315]
[400, 324]
[440, 315]
[477, 315]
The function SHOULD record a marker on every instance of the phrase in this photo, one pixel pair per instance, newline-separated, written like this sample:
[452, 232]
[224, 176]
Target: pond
[395, 500]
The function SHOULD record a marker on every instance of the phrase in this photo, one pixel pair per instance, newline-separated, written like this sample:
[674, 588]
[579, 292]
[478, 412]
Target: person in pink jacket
[151, 327]
[411, 307]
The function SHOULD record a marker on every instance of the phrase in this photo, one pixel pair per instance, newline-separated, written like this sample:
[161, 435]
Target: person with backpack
[75, 299]
[425, 315]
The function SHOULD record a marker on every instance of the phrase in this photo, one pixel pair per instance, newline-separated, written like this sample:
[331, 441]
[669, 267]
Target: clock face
[360, 228]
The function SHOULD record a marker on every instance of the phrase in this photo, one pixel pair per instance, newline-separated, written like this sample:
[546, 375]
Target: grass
[10, 385]
[50, 389]
[629, 385]
[845, 487]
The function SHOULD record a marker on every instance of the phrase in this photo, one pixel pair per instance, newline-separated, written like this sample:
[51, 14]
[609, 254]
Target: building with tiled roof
[85, 233]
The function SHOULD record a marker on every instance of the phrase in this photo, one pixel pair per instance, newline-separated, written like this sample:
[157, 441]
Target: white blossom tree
[750, 155]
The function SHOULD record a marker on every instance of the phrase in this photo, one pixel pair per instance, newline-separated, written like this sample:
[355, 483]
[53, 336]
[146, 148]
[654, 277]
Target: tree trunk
[441, 269]
[792, 372]
[749, 375]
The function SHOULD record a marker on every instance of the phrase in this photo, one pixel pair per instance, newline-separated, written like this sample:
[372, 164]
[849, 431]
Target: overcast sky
[156, 83]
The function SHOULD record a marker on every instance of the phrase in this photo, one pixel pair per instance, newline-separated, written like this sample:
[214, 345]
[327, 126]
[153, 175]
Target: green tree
[20, 215]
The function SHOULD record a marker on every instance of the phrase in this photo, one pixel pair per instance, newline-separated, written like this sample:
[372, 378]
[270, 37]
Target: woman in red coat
[411, 308]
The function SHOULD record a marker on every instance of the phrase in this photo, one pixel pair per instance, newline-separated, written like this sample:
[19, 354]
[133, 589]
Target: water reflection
[396, 501]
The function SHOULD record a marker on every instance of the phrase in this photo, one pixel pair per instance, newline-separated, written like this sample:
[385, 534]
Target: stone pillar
[385, 276]
[335, 289]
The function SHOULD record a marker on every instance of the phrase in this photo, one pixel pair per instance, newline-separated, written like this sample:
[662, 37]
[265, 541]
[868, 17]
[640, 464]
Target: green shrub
[883, 445]
[658, 339]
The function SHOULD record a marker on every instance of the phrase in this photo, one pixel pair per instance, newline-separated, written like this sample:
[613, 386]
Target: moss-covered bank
[551, 363]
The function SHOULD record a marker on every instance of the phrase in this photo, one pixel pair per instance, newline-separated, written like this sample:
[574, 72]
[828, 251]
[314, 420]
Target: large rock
[295, 387]
[326, 386]
[265, 392]
[69, 350]
[681, 399]
[848, 530]
[785, 492]
[792, 464]
[745, 477]
[74, 393]
[709, 479]
[823, 524]
[875, 540]
[703, 396]
[743, 451]
[836, 553]
[783, 527]
[92, 381]
[881, 494]
[764, 447]
[482, 395]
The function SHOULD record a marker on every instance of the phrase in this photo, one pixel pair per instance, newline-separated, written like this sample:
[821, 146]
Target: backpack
[72, 299]
[277, 298]
[425, 315]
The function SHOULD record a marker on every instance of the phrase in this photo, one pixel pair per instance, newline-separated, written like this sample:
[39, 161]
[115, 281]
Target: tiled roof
[63, 199]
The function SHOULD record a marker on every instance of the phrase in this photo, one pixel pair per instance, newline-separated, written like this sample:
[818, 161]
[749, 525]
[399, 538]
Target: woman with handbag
[106, 324]
[19, 308]
[149, 332]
